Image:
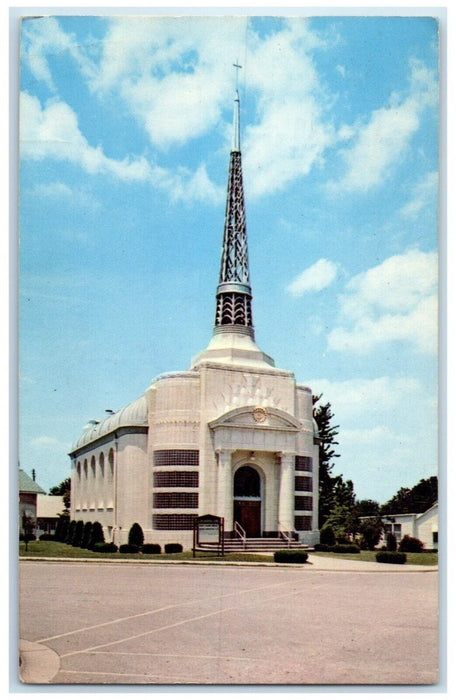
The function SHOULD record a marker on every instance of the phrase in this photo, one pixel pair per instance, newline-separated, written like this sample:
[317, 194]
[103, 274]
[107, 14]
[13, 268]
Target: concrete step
[255, 544]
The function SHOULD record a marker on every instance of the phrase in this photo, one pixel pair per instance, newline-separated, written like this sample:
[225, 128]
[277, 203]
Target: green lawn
[423, 559]
[59, 549]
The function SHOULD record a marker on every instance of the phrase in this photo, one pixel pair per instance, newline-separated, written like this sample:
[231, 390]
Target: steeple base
[230, 345]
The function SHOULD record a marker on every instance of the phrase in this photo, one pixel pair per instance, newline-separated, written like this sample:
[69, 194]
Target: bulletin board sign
[208, 533]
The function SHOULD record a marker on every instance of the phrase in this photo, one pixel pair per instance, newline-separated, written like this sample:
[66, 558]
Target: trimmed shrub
[70, 535]
[86, 535]
[63, 534]
[136, 535]
[173, 548]
[104, 547]
[128, 549]
[61, 529]
[391, 542]
[28, 537]
[322, 547]
[410, 544]
[46, 537]
[327, 535]
[78, 533]
[290, 556]
[345, 549]
[149, 548]
[391, 557]
[96, 534]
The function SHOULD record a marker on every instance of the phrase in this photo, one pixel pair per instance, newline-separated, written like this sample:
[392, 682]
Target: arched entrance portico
[247, 500]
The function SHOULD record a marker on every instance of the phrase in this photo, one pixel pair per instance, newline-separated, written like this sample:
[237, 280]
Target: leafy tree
[63, 489]
[415, 500]
[371, 531]
[327, 535]
[136, 535]
[366, 507]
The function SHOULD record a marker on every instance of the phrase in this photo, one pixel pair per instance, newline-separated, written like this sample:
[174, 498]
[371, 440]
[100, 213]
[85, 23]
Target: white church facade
[233, 436]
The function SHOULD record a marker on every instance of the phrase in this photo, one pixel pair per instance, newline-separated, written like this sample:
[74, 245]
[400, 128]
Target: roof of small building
[27, 484]
[134, 414]
[49, 506]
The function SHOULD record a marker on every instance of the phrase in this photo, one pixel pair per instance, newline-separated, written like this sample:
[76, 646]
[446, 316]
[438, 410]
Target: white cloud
[376, 398]
[177, 85]
[424, 194]
[383, 140]
[314, 278]
[40, 37]
[53, 132]
[394, 301]
[45, 441]
[52, 190]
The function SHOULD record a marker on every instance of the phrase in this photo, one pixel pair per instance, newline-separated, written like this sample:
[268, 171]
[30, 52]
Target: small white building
[232, 436]
[422, 526]
[48, 510]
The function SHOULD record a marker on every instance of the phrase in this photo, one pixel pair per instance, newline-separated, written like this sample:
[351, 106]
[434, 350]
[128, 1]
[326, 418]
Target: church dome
[133, 414]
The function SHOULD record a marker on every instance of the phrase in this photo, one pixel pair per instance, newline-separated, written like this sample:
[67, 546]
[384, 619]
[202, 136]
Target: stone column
[224, 488]
[286, 492]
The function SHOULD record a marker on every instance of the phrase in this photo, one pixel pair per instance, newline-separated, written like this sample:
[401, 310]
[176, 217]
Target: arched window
[101, 462]
[247, 483]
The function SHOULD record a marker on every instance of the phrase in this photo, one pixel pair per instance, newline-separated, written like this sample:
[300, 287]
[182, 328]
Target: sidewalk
[314, 562]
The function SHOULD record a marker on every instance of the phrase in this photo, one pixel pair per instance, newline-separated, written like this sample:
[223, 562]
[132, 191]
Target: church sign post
[209, 530]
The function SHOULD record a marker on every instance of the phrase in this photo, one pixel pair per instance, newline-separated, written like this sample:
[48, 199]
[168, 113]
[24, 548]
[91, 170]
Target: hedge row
[338, 548]
[290, 556]
[391, 557]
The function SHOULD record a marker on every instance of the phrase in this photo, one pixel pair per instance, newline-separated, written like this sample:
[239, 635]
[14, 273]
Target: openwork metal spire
[234, 294]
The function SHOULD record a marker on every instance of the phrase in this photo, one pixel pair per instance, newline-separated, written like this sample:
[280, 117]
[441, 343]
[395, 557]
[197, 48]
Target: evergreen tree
[86, 535]
[327, 433]
[136, 535]
[78, 534]
[96, 535]
[70, 535]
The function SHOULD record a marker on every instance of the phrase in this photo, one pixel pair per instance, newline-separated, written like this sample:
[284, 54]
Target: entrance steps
[255, 544]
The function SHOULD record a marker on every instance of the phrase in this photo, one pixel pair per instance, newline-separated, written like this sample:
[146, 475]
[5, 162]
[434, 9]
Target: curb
[356, 567]
[37, 663]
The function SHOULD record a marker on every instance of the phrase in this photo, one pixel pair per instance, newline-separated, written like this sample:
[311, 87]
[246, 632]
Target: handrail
[240, 532]
[284, 536]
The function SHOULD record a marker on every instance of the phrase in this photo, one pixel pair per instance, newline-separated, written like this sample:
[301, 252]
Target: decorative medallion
[259, 415]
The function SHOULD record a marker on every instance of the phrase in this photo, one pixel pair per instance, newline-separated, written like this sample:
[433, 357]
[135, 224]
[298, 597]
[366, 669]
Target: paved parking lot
[112, 623]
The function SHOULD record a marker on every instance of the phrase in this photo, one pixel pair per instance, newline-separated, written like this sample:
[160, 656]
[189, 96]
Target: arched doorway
[247, 500]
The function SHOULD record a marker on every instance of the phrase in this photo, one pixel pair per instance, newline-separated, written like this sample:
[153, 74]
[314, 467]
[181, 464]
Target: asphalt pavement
[328, 621]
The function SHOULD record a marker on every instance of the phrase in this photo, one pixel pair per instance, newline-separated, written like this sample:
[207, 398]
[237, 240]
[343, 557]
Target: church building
[233, 436]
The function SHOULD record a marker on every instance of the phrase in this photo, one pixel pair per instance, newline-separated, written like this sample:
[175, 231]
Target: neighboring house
[28, 493]
[423, 526]
[48, 509]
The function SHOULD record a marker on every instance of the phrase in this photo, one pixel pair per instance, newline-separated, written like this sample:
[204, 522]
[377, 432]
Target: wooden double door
[248, 515]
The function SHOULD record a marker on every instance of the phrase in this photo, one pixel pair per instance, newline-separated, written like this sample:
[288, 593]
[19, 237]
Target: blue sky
[125, 131]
